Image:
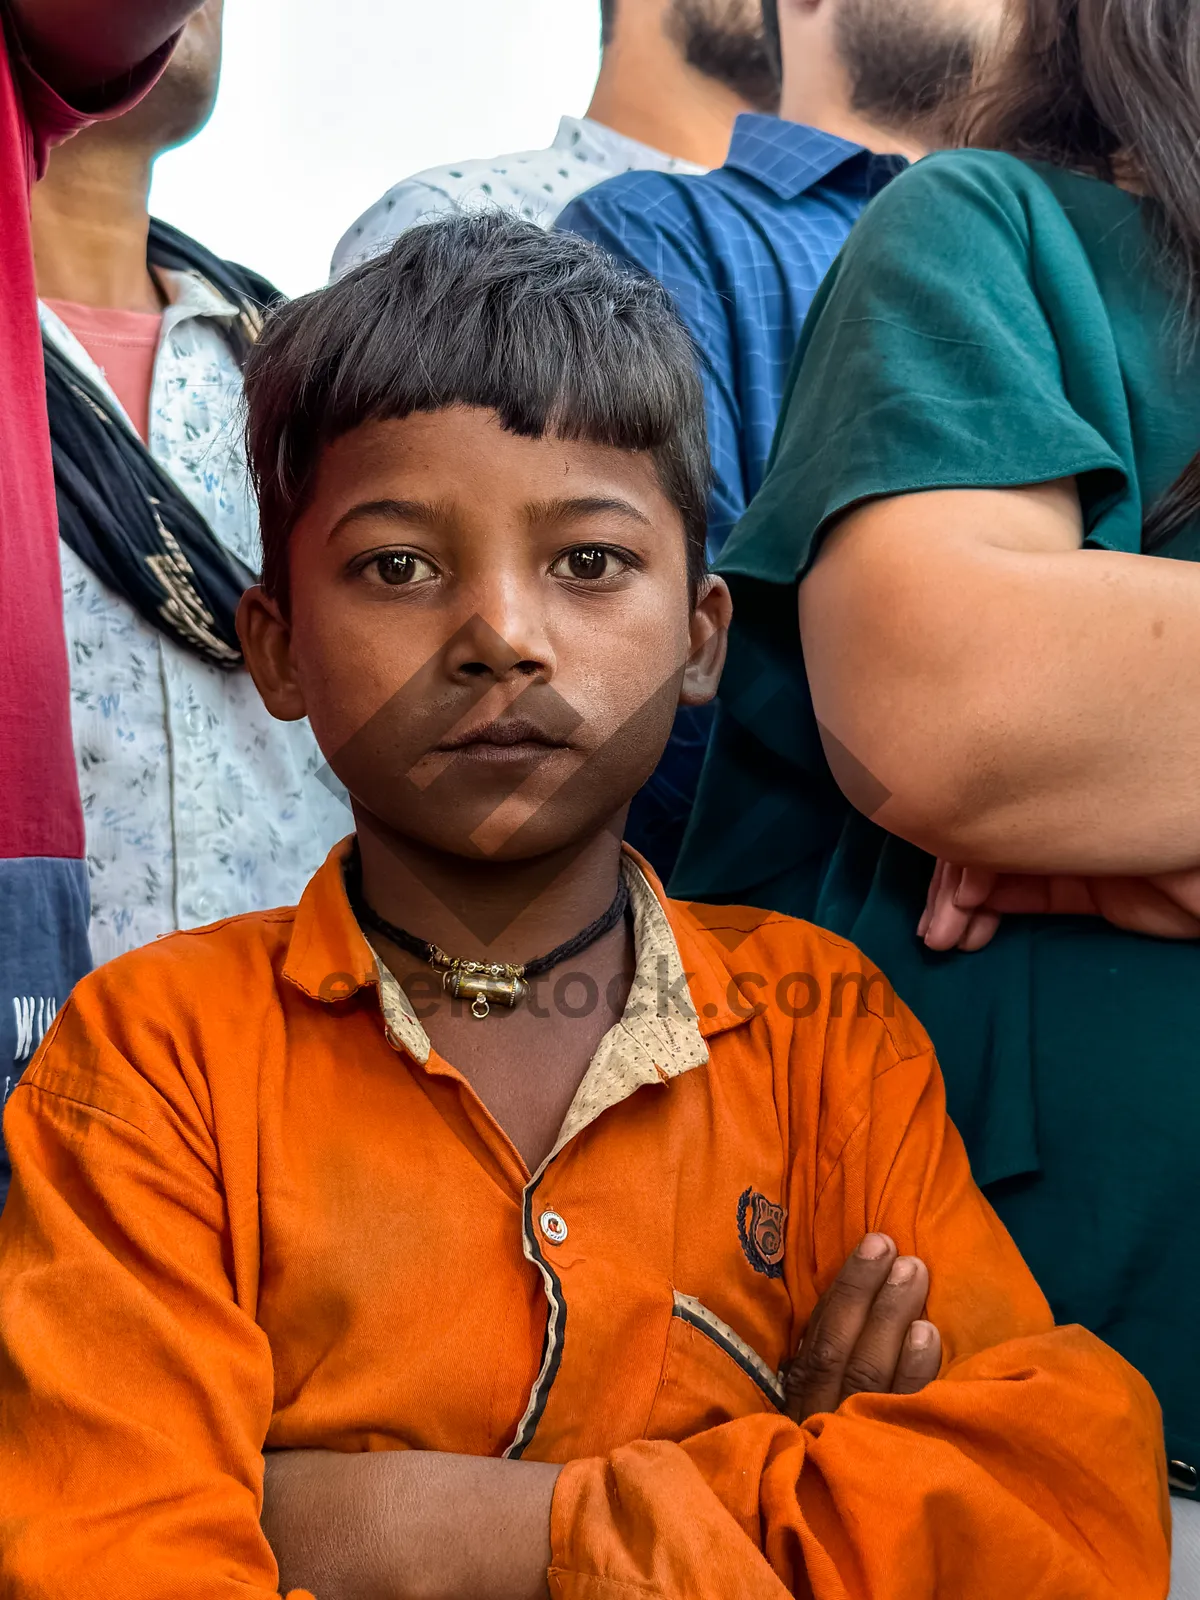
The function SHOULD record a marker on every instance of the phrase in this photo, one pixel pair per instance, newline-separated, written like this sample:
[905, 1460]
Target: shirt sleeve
[135, 1390]
[1033, 1466]
[646, 223]
[933, 358]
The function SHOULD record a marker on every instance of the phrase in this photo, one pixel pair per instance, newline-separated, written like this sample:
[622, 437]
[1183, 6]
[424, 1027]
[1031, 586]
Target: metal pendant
[485, 985]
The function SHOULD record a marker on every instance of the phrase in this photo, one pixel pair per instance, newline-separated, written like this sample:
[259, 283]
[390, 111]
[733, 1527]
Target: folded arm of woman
[999, 695]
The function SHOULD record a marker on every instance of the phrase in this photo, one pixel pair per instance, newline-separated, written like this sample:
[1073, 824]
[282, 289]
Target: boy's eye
[397, 567]
[588, 562]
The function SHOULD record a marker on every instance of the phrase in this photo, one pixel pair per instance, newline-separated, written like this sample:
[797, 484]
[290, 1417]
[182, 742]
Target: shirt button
[553, 1227]
[195, 721]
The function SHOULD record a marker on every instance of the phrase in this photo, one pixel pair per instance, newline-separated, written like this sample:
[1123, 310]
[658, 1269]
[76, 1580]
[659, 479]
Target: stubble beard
[723, 39]
[909, 71]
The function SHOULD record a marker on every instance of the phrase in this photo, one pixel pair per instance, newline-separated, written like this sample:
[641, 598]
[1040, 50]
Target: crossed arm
[446, 1527]
[1028, 708]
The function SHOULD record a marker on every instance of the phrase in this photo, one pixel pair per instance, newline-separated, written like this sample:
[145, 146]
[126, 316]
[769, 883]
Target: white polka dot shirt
[534, 183]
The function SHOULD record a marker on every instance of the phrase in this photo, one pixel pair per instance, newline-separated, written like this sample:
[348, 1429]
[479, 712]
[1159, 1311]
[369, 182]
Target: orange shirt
[252, 1207]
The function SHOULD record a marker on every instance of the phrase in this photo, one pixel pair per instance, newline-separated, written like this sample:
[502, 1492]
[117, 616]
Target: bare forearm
[409, 1525]
[1027, 710]
[81, 44]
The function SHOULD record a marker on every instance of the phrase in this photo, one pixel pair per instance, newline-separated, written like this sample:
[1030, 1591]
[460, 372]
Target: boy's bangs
[544, 330]
[590, 375]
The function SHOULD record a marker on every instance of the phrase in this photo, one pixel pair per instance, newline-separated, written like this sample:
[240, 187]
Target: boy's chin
[498, 840]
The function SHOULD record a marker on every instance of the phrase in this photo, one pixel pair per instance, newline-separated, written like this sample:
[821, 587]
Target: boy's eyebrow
[585, 505]
[421, 512]
[406, 511]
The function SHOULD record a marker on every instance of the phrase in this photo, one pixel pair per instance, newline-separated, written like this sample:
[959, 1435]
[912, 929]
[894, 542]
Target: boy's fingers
[873, 1363]
[815, 1380]
[920, 1359]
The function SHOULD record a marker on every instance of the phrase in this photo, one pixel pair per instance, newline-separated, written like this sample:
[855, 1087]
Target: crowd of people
[784, 488]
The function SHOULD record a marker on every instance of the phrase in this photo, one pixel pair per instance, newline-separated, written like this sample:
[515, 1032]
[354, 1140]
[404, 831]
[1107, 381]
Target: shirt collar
[657, 1038]
[683, 991]
[790, 158]
[329, 957]
[191, 295]
[613, 153]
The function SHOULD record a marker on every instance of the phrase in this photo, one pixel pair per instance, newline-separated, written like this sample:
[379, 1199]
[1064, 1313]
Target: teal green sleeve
[958, 342]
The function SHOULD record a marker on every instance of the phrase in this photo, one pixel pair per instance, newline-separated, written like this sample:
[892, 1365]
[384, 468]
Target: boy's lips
[504, 739]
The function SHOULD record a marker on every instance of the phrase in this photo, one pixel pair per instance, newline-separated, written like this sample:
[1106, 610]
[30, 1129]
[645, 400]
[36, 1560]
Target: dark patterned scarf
[121, 513]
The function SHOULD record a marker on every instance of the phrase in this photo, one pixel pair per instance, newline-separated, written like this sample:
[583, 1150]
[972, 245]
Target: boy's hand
[866, 1336]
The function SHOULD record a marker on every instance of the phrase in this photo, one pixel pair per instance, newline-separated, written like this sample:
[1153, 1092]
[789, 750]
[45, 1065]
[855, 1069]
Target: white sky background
[326, 103]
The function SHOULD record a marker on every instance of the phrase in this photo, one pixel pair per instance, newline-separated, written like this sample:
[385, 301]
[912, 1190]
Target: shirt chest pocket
[710, 1376]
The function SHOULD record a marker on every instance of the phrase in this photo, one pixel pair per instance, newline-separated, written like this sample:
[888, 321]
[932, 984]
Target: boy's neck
[509, 911]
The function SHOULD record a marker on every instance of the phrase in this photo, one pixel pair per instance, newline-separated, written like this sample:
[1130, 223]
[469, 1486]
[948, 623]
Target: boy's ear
[709, 637]
[267, 647]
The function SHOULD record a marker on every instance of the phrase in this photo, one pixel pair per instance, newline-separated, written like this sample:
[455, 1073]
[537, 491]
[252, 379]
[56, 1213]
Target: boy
[486, 1190]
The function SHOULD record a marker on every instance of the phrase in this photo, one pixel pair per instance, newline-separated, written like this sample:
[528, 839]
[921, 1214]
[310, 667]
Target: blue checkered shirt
[742, 250]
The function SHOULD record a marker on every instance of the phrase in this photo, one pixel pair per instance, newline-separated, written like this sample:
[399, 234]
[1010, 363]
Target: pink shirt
[123, 344]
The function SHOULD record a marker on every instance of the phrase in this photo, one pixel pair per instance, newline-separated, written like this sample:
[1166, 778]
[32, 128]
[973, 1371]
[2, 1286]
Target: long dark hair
[1112, 88]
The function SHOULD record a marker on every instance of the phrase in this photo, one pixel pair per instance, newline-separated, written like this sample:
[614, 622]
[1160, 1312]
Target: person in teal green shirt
[978, 755]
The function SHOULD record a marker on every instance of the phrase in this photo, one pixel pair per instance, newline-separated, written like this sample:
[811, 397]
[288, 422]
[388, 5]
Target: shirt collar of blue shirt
[790, 158]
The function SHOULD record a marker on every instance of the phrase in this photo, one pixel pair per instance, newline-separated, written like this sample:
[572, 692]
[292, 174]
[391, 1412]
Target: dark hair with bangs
[545, 330]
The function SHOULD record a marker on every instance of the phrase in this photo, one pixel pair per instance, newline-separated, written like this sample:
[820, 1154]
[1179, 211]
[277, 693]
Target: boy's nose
[509, 645]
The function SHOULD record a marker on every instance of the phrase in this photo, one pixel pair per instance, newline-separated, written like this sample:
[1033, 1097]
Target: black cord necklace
[483, 983]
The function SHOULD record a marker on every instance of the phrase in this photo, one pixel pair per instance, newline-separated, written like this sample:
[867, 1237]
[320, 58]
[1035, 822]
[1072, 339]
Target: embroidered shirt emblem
[761, 1228]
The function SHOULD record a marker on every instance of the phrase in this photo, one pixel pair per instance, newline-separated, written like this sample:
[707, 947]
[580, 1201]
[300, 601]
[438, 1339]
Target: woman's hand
[956, 915]
[965, 904]
[866, 1335]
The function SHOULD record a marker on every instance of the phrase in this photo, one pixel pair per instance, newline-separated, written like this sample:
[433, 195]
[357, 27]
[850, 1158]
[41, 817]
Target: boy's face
[490, 634]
